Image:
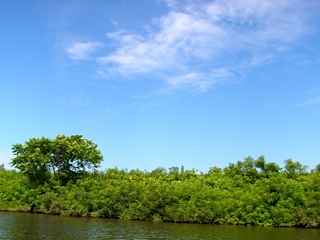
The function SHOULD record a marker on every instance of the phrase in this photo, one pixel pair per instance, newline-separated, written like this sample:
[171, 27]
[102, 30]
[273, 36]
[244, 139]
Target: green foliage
[2, 168]
[294, 168]
[317, 168]
[250, 192]
[66, 158]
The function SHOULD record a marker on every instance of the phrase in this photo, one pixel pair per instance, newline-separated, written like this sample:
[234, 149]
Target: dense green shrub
[251, 192]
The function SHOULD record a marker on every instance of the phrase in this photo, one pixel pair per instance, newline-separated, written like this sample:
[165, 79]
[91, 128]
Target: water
[40, 226]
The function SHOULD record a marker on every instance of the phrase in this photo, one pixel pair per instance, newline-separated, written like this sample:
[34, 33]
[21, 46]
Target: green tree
[260, 163]
[65, 158]
[2, 168]
[317, 168]
[272, 168]
[294, 168]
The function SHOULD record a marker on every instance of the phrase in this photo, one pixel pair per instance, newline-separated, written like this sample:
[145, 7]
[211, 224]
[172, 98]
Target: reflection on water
[40, 226]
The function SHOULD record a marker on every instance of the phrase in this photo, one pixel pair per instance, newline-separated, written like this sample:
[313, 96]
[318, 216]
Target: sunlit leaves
[66, 158]
[250, 192]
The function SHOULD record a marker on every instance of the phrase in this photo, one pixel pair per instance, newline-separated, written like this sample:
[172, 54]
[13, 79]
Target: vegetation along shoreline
[59, 176]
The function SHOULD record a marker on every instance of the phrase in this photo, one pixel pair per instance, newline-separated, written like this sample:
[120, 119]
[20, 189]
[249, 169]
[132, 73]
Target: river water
[41, 226]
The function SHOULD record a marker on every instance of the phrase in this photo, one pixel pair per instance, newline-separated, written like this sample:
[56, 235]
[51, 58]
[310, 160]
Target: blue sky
[164, 82]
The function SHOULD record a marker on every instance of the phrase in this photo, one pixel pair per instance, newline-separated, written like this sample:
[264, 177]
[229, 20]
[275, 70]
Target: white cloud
[181, 36]
[202, 80]
[82, 50]
[194, 38]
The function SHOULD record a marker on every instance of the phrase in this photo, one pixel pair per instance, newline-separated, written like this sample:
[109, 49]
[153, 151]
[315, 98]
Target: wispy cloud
[144, 105]
[313, 101]
[78, 101]
[100, 117]
[314, 90]
[202, 81]
[205, 43]
[82, 50]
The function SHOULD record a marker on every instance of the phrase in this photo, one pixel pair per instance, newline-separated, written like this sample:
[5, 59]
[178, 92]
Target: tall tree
[294, 168]
[65, 158]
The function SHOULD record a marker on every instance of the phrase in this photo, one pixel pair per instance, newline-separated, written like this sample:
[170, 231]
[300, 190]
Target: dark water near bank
[38, 226]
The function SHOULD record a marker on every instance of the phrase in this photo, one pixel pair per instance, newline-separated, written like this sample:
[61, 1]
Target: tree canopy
[63, 158]
[248, 192]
